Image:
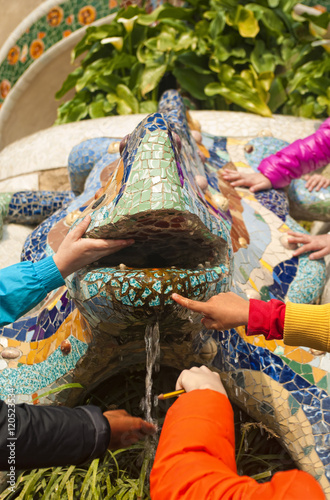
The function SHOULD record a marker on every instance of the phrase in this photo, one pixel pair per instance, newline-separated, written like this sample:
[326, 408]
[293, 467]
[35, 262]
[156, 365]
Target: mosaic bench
[229, 239]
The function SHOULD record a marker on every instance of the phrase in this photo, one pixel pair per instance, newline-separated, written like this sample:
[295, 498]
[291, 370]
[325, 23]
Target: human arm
[299, 158]
[51, 435]
[24, 285]
[298, 324]
[317, 244]
[195, 458]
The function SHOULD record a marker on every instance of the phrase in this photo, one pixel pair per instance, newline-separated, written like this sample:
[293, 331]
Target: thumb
[193, 305]
[81, 228]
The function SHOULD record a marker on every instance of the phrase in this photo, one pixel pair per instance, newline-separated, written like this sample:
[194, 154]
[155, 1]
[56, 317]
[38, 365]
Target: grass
[122, 475]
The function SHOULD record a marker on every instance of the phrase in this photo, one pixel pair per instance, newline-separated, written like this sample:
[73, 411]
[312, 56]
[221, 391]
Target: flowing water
[152, 362]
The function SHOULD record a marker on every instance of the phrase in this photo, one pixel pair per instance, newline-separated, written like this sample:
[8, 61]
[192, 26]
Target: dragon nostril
[98, 201]
[177, 141]
[123, 143]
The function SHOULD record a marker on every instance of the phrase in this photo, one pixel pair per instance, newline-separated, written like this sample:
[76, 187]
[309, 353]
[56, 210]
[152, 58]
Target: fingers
[298, 237]
[320, 254]
[230, 174]
[240, 182]
[209, 323]
[81, 228]
[192, 305]
[303, 249]
[258, 187]
[316, 182]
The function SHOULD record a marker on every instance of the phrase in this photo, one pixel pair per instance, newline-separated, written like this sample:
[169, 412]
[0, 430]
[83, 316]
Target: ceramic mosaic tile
[193, 241]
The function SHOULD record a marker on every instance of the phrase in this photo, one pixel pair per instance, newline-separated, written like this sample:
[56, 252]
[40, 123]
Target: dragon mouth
[182, 244]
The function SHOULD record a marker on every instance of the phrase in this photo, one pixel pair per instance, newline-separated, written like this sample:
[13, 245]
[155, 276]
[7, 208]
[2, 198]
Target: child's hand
[309, 243]
[316, 181]
[127, 430]
[76, 252]
[199, 378]
[256, 182]
[221, 312]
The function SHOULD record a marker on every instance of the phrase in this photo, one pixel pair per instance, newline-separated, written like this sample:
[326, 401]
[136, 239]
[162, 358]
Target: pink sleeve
[299, 158]
[266, 318]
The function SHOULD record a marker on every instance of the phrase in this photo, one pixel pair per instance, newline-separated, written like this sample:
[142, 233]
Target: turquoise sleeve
[24, 285]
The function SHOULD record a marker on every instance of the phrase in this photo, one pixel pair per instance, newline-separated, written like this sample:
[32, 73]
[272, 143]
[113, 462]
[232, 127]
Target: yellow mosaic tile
[232, 141]
[204, 150]
[266, 265]
[297, 354]
[318, 373]
[30, 357]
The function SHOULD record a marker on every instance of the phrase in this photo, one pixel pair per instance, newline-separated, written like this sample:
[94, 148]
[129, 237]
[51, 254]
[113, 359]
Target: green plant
[225, 54]
[121, 475]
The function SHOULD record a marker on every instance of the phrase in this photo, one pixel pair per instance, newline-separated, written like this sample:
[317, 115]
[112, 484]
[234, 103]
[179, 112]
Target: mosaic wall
[101, 331]
[60, 21]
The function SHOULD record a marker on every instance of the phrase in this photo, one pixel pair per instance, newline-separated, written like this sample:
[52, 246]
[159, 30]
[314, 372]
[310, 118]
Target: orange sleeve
[195, 459]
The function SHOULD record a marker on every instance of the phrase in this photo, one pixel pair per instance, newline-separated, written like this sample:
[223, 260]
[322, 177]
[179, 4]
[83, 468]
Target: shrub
[223, 54]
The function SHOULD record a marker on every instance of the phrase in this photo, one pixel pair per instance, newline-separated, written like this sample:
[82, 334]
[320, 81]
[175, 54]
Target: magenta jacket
[299, 158]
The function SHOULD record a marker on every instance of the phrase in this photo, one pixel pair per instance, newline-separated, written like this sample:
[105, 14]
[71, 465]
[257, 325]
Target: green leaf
[58, 389]
[240, 93]
[261, 59]
[148, 107]
[273, 3]
[192, 60]
[268, 17]
[165, 11]
[96, 110]
[151, 77]
[126, 95]
[165, 42]
[69, 83]
[77, 113]
[107, 83]
[248, 26]
[322, 20]
[217, 25]
[193, 82]
[123, 108]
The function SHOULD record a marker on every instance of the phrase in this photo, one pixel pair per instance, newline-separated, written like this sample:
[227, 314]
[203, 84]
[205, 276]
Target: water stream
[152, 361]
[148, 402]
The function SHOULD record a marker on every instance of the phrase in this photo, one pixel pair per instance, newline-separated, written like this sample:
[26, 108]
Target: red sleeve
[266, 318]
[195, 458]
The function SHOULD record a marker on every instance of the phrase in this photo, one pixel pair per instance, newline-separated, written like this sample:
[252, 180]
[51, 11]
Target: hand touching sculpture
[256, 181]
[220, 312]
[319, 244]
[76, 252]
[316, 181]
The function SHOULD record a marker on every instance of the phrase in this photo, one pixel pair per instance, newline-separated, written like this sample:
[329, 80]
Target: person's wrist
[214, 387]
[61, 266]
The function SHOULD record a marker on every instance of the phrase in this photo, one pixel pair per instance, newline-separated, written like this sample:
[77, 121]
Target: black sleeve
[44, 436]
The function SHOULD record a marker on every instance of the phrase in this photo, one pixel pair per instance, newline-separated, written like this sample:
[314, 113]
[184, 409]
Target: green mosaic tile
[309, 377]
[323, 383]
[308, 449]
[146, 195]
[294, 405]
[296, 367]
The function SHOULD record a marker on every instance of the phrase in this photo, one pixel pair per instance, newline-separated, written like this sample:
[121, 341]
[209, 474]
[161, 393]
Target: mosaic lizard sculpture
[195, 235]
